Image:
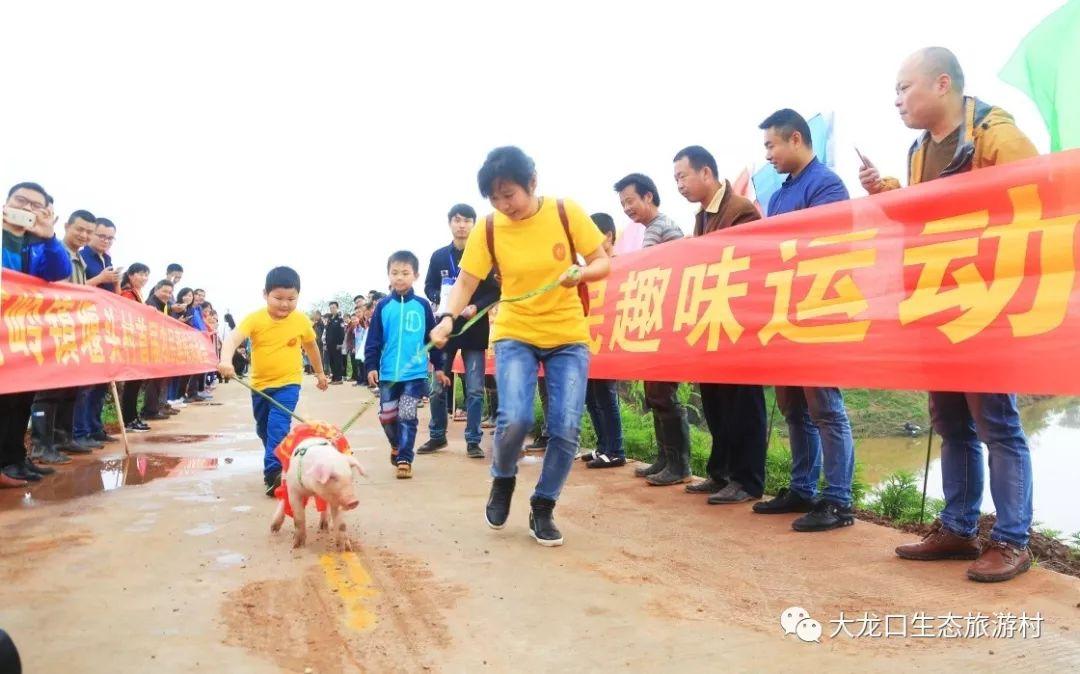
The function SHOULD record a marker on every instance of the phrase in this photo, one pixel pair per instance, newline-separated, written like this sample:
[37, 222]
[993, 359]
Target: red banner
[966, 283]
[55, 335]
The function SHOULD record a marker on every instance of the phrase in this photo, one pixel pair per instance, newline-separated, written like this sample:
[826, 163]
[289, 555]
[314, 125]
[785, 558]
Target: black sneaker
[541, 442]
[604, 461]
[431, 446]
[542, 522]
[136, 427]
[498, 505]
[786, 501]
[825, 515]
[473, 451]
[272, 482]
[103, 437]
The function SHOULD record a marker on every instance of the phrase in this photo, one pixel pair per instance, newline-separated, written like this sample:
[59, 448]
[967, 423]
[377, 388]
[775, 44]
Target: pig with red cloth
[316, 460]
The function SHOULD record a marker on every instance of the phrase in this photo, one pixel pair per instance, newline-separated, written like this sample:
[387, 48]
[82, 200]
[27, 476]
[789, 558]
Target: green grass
[899, 499]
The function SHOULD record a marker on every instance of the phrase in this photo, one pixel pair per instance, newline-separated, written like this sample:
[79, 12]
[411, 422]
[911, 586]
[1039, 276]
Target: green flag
[1046, 67]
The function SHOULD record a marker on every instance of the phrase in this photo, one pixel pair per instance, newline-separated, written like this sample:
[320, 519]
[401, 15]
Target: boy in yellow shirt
[277, 334]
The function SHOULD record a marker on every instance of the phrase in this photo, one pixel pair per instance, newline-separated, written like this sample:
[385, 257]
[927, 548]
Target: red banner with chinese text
[55, 335]
[965, 283]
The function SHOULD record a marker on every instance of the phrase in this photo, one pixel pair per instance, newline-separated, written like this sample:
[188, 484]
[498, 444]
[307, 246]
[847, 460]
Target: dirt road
[165, 563]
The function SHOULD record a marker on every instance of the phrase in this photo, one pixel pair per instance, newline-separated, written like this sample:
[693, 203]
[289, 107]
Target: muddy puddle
[77, 480]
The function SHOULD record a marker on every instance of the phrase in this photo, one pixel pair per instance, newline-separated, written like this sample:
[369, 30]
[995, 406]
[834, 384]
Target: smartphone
[19, 217]
[865, 164]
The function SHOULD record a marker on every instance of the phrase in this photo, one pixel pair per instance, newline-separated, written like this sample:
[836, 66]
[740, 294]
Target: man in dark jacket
[472, 345]
[33, 250]
[735, 413]
[334, 336]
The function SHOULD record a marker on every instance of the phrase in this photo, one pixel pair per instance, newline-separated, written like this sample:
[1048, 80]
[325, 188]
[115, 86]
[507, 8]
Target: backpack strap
[566, 228]
[582, 288]
[489, 230]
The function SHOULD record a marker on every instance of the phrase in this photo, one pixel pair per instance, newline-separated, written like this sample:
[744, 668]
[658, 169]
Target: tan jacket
[988, 137]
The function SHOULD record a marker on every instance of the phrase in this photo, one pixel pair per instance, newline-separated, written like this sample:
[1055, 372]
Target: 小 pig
[316, 468]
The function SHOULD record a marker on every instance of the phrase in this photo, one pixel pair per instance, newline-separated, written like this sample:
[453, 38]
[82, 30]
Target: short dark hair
[81, 215]
[200, 290]
[699, 158]
[464, 210]
[335, 304]
[160, 284]
[358, 297]
[505, 164]
[404, 257]
[105, 222]
[605, 223]
[173, 267]
[31, 186]
[786, 122]
[281, 277]
[642, 184]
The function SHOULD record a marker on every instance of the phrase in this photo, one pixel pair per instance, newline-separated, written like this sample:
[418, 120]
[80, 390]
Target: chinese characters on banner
[55, 335]
[966, 283]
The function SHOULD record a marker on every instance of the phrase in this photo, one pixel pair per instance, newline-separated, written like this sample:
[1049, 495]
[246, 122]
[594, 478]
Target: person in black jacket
[334, 336]
[472, 345]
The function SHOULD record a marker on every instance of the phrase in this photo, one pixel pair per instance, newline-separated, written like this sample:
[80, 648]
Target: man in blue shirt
[32, 250]
[818, 425]
[99, 266]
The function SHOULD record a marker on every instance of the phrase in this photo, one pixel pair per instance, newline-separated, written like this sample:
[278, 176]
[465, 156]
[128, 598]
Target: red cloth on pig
[284, 452]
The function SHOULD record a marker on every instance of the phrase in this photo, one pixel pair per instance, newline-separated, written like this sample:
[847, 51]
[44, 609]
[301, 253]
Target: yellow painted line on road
[347, 577]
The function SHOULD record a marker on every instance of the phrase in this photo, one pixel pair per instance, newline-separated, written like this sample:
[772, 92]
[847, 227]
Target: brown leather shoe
[999, 561]
[940, 543]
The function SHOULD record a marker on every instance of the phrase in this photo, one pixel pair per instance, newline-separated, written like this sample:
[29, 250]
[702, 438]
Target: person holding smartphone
[29, 246]
[100, 271]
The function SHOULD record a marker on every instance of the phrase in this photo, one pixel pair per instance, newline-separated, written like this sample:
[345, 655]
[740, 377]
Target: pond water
[1053, 428]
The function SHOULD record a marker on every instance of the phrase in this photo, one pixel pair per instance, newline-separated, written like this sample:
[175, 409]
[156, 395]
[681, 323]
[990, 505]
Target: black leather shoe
[35, 468]
[431, 446]
[20, 472]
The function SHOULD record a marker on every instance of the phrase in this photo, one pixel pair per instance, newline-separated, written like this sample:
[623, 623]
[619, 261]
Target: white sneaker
[176, 404]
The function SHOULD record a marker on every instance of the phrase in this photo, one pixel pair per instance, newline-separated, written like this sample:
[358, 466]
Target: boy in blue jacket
[33, 250]
[395, 361]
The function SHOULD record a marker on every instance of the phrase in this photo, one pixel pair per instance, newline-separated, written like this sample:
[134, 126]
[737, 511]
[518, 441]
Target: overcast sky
[235, 136]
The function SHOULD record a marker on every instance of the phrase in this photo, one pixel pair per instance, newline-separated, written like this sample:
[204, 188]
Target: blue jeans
[89, 403]
[272, 424]
[962, 420]
[818, 427]
[602, 401]
[398, 402]
[566, 369]
[474, 398]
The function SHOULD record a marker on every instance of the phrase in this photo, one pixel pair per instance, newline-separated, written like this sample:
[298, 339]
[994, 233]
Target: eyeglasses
[105, 237]
[22, 202]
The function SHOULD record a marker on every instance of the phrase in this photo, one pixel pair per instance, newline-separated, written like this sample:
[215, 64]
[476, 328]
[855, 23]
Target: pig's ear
[356, 464]
[321, 472]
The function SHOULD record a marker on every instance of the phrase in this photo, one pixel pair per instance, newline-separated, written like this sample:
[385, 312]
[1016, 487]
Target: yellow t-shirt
[275, 347]
[531, 254]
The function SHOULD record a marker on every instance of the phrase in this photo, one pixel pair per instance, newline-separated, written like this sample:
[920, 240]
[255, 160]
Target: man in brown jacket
[962, 133]
[735, 413]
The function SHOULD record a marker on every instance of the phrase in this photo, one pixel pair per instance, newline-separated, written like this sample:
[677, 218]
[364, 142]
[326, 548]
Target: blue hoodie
[46, 259]
[399, 328]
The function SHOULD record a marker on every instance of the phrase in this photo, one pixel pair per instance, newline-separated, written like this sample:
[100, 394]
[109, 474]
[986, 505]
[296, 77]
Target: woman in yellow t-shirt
[531, 241]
